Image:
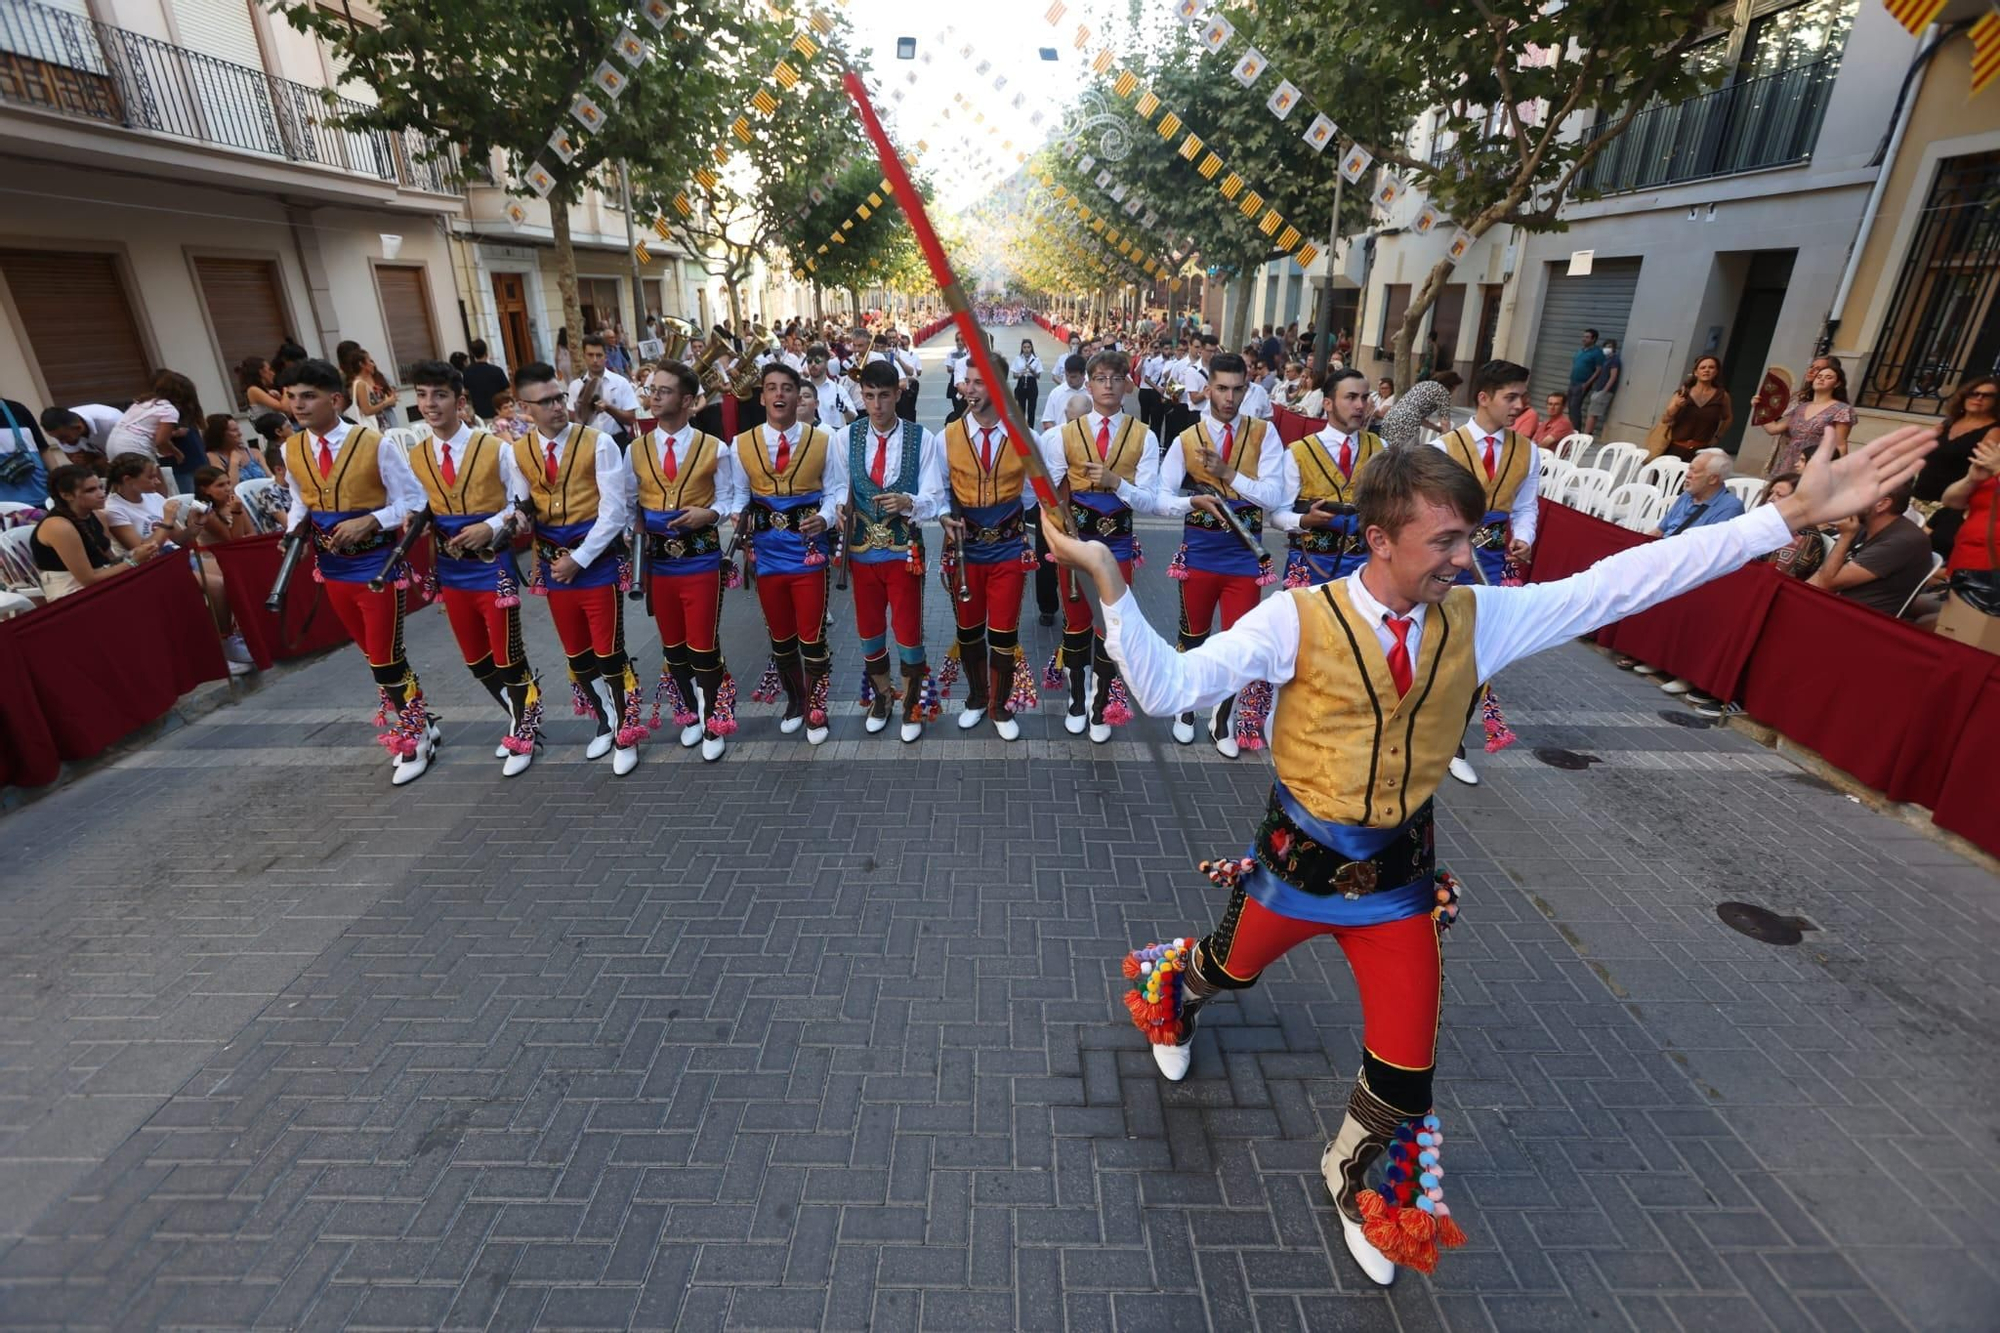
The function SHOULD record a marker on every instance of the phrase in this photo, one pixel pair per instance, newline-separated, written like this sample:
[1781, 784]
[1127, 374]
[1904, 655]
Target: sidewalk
[831, 1038]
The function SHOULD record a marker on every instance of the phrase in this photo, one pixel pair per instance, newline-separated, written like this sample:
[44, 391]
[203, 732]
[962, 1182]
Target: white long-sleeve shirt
[1509, 623]
[767, 439]
[837, 404]
[929, 497]
[511, 480]
[731, 487]
[1134, 494]
[406, 495]
[1256, 401]
[1266, 490]
[1330, 438]
[1525, 515]
[1055, 408]
[615, 487]
[1029, 365]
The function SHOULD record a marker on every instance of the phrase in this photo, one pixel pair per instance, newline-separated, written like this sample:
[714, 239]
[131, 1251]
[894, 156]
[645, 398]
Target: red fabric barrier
[28, 755]
[1291, 426]
[1968, 801]
[250, 565]
[101, 663]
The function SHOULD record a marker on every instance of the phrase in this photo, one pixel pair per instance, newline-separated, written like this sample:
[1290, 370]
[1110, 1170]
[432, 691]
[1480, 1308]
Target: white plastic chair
[1555, 472]
[1936, 562]
[252, 493]
[14, 514]
[17, 562]
[14, 604]
[403, 437]
[1570, 446]
[1586, 489]
[1668, 474]
[1620, 460]
[1747, 489]
[1635, 505]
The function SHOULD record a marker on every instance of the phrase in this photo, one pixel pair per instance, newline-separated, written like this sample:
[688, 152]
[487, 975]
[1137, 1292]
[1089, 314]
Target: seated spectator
[25, 456]
[145, 523]
[228, 452]
[1548, 431]
[71, 549]
[1803, 555]
[81, 432]
[1382, 399]
[1704, 500]
[1311, 396]
[1879, 558]
[227, 518]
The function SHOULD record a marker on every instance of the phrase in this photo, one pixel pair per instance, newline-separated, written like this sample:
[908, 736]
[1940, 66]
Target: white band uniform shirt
[406, 494]
[615, 489]
[1271, 490]
[1055, 408]
[1524, 514]
[930, 498]
[616, 391]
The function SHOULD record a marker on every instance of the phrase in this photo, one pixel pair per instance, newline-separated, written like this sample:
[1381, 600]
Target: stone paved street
[832, 1038]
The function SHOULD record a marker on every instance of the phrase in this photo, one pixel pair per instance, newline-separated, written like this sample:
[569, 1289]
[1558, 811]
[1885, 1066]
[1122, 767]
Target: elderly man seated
[1704, 500]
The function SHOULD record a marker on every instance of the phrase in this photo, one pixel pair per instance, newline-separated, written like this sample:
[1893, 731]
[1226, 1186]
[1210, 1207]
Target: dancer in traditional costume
[685, 479]
[581, 492]
[888, 476]
[353, 493]
[475, 489]
[1376, 673]
[1106, 464]
[1321, 530]
[988, 561]
[1236, 463]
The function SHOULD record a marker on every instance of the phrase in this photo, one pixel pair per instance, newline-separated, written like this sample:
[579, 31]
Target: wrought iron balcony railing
[54, 60]
[1771, 121]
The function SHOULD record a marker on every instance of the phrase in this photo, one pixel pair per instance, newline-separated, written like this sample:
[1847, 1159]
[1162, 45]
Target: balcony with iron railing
[1749, 125]
[53, 60]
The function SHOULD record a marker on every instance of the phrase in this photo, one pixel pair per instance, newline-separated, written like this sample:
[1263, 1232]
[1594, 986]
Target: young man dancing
[1376, 674]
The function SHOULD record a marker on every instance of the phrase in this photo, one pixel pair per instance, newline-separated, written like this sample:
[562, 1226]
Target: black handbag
[1980, 588]
[17, 465]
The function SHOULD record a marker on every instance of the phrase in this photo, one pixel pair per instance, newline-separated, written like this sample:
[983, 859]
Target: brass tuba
[758, 343]
[704, 367]
[676, 334]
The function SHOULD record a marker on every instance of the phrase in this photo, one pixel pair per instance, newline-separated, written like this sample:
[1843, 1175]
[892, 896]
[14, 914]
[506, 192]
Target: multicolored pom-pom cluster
[1446, 911]
[1408, 1219]
[1224, 874]
[769, 686]
[1253, 706]
[1154, 998]
[1498, 734]
[1177, 568]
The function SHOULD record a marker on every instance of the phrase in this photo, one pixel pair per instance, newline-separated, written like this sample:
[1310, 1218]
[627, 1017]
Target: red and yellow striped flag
[1190, 146]
[805, 45]
[1056, 11]
[1916, 15]
[1209, 166]
[1269, 223]
[1169, 126]
[1307, 253]
[1148, 103]
[642, 254]
[1985, 35]
[660, 226]
[1127, 81]
[1232, 185]
[741, 128]
[705, 178]
[764, 102]
[784, 75]
[1252, 201]
[1104, 61]
[1289, 239]
[682, 206]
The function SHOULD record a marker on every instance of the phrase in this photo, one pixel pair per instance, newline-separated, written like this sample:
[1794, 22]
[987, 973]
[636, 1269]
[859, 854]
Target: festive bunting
[1320, 133]
[563, 146]
[1916, 15]
[1461, 241]
[1215, 34]
[1249, 67]
[629, 48]
[587, 113]
[660, 228]
[657, 13]
[642, 254]
[1985, 36]
[1427, 220]
[1355, 163]
[539, 180]
[609, 79]
[1282, 101]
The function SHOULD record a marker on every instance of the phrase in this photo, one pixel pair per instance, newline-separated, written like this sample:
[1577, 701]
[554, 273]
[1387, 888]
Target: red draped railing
[1914, 715]
[1291, 426]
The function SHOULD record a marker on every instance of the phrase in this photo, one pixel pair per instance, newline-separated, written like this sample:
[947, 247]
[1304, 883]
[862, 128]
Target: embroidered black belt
[681, 546]
[1253, 519]
[763, 518]
[1089, 523]
[1286, 849]
[1007, 529]
[323, 541]
[1491, 536]
[890, 533]
[1328, 541]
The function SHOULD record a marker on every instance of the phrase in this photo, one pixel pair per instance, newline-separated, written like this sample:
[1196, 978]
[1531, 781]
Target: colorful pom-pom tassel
[1498, 734]
[1253, 706]
[579, 701]
[1177, 568]
[1023, 697]
[929, 705]
[1296, 573]
[948, 675]
[770, 687]
[816, 696]
[722, 710]
[1118, 704]
[1052, 674]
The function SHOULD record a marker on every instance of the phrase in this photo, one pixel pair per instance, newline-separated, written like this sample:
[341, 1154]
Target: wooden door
[510, 303]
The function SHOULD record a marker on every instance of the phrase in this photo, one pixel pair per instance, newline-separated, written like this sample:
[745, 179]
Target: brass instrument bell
[676, 334]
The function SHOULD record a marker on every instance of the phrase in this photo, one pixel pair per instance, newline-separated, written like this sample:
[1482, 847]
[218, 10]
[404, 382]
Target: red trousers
[1202, 592]
[482, 627]
[1077, 612]
[687, 608]
[372, 619]
[794, 604]
[996, 596]
[587, 619]
[886, 590]
[1398, 970]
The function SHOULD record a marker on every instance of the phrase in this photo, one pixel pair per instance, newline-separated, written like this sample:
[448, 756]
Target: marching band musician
[684, 480]
[475, 486]
[888, 475]
[1325, 536]
[581, 491]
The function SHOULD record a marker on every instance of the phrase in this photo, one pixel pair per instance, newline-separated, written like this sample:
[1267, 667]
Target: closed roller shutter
[1601, 301]
[244, 307]
[219, 28]
[406, 306]
[81, 331]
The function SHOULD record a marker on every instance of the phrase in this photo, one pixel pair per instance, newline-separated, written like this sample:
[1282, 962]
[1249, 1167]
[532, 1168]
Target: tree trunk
[566, 272]
[854, 299]
[1239, 314]
[1413, 319]
[819, 304]
[729, 281]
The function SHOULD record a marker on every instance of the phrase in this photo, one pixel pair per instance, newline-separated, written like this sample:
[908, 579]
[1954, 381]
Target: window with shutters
[599, 299]
[245, 307]
[406, 310]
[81, 330]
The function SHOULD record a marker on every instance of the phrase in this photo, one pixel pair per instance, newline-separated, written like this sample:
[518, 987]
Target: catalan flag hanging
[1916, 15]
[682, 206]
[642, 254]
[660, 226]
[764, 102]
[1985, 35]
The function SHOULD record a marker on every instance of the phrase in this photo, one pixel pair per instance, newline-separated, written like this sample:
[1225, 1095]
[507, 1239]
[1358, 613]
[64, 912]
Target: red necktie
[450, 472]
[1347, 458]
[1103, 439]
[784, 453]
[668, 467]
[552, 471]
[325, 458]
[881, 463]
[986, 449]
[1490, 460]
[1399, 655]
[1228, 441]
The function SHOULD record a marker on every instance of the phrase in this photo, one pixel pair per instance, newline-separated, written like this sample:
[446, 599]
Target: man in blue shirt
[1705, 499]
[1583, 368]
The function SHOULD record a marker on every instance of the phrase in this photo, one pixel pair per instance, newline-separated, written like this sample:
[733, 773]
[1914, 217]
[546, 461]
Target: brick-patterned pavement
[832, 1039]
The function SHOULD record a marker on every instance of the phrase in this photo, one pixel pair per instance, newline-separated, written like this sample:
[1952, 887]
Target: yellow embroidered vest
[572, 498]
[1319, 472]
[975, 487]
[807, 472]
[1080, 447]
[479, 487]
[693, 484]
[356, 483]
[1516, 456]
[1344, 743]
[1245, 454]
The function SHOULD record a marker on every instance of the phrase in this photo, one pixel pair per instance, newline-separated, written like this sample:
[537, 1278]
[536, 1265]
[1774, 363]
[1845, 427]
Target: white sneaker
[1174, 1060]
[712, 747]
[1464, 772]
[1372, 1261]
[1184, 728]
[1076, 723]
[815, 735]
[874, 724]
[690, 735]
[409, 770]
[1674, 686]
[912, 730]
[788, 725]
[969, 718]
[235, 650]
[1007, 729]
[600, 746]
[1644, 670]
[516, 764]
[237, 668]
[624, 759]
[1226, 745]
[1100, 732]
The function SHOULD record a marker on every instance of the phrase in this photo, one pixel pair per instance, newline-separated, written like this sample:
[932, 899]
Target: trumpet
[676, 334]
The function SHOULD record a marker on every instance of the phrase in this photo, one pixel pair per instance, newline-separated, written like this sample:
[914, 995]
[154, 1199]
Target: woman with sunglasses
[1970, 416]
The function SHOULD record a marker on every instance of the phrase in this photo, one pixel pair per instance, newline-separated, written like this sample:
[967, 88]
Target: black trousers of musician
[1048, 597]
[1028, 393]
